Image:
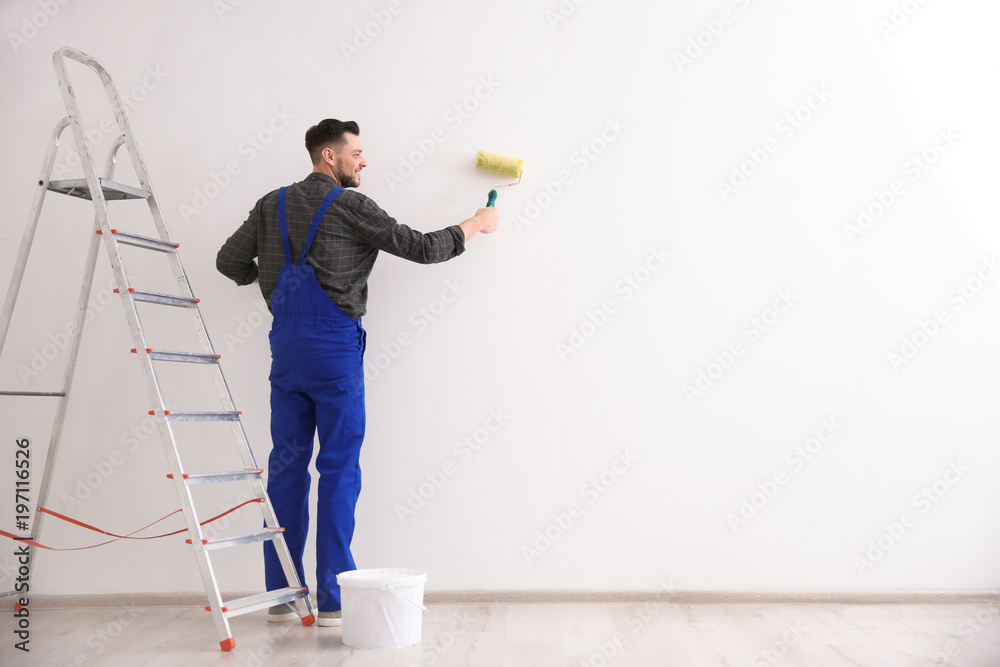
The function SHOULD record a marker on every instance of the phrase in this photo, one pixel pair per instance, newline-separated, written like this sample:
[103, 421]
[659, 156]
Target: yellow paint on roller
[499, 164]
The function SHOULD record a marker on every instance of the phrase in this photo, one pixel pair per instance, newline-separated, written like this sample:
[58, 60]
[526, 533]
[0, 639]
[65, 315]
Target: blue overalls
[317, 382]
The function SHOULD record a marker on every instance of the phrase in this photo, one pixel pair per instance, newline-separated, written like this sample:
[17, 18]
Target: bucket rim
[381, 577]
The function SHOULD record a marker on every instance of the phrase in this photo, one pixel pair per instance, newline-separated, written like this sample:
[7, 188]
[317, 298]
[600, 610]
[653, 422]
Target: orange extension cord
[115, 535]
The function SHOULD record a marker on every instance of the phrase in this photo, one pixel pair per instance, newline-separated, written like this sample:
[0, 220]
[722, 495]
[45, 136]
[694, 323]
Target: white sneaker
[286, 611]
[281, 613]
[330, 618]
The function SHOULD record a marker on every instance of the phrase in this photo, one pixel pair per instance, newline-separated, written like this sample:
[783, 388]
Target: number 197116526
[22, 471]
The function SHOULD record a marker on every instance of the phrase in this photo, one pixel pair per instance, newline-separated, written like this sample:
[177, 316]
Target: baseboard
[554, 596]
[681, 596]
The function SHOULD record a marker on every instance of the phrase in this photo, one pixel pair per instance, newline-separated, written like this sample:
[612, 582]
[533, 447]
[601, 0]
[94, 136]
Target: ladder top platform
[78, 187]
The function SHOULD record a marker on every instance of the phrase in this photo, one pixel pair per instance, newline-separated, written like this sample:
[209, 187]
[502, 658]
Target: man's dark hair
[328, 132]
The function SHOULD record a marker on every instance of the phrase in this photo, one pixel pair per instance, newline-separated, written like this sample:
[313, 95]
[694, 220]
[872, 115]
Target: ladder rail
[59, 420]
[80, 319]
[129, 301]
[14, 288]
[180, 274]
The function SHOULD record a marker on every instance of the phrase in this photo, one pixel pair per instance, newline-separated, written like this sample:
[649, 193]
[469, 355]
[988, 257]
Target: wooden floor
[549, 635]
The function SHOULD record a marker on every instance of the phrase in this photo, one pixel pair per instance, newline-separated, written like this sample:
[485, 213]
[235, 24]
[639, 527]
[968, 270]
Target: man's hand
[485, 220]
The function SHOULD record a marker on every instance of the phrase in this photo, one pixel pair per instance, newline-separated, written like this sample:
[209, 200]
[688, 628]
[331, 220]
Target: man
[316, 244]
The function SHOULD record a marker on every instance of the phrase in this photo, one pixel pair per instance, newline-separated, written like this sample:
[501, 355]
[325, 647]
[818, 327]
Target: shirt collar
[318, 176]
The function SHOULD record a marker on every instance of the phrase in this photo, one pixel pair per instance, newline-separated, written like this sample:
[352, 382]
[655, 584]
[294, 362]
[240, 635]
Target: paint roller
[499, 164]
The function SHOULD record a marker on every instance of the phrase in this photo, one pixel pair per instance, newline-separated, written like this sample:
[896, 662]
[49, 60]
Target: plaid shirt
[343, 253]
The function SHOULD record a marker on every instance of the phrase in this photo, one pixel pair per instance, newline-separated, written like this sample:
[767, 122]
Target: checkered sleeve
[236, 257]
[378, 229]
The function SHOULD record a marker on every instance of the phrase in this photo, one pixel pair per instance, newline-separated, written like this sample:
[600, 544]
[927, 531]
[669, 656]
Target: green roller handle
[492, 200]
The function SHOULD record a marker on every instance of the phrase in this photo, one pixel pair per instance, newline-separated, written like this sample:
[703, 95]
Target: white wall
[664, 136]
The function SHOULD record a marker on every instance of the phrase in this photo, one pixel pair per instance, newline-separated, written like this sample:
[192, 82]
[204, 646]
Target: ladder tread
[222, 541]
[163, 299]
[264, 600]
[144, 241]
[186, 357]
[78, 187]
[229, 416]
[224, 476]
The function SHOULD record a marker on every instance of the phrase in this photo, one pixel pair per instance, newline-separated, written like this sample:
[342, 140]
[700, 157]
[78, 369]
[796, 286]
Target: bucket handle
[400, 595]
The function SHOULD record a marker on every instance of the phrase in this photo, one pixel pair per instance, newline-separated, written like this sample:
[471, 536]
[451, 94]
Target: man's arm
[235, 258]
[485, 220]
[378, 229]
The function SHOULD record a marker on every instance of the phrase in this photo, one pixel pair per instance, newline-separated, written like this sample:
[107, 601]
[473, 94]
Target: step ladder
[101, 190]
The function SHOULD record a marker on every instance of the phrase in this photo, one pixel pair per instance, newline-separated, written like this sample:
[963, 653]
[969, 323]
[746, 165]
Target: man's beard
[348, 180]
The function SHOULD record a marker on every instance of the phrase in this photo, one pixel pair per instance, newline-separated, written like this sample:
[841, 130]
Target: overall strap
[315, 222]
[284, 226]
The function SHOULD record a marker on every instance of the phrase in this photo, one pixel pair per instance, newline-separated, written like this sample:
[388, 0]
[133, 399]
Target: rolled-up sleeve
[236, 257]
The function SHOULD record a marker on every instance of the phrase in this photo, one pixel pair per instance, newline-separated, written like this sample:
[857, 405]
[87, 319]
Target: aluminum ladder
[101, 190]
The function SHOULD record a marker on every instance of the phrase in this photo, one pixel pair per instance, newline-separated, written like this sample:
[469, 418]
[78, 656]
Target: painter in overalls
[316, 245]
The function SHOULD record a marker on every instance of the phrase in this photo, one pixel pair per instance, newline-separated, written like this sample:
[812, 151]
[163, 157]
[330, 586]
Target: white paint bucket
[382, 608]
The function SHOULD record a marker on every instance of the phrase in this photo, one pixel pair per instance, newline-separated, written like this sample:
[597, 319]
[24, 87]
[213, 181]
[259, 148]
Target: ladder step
[164, 299]
[143, 241]
[33, 393]
[212, 477]
[78, 187]
[200, 416]
[188, 357]
[223, 541]
[261, 601]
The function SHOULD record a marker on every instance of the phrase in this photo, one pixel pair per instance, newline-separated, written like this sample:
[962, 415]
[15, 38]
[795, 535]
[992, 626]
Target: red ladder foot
[228, 644]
